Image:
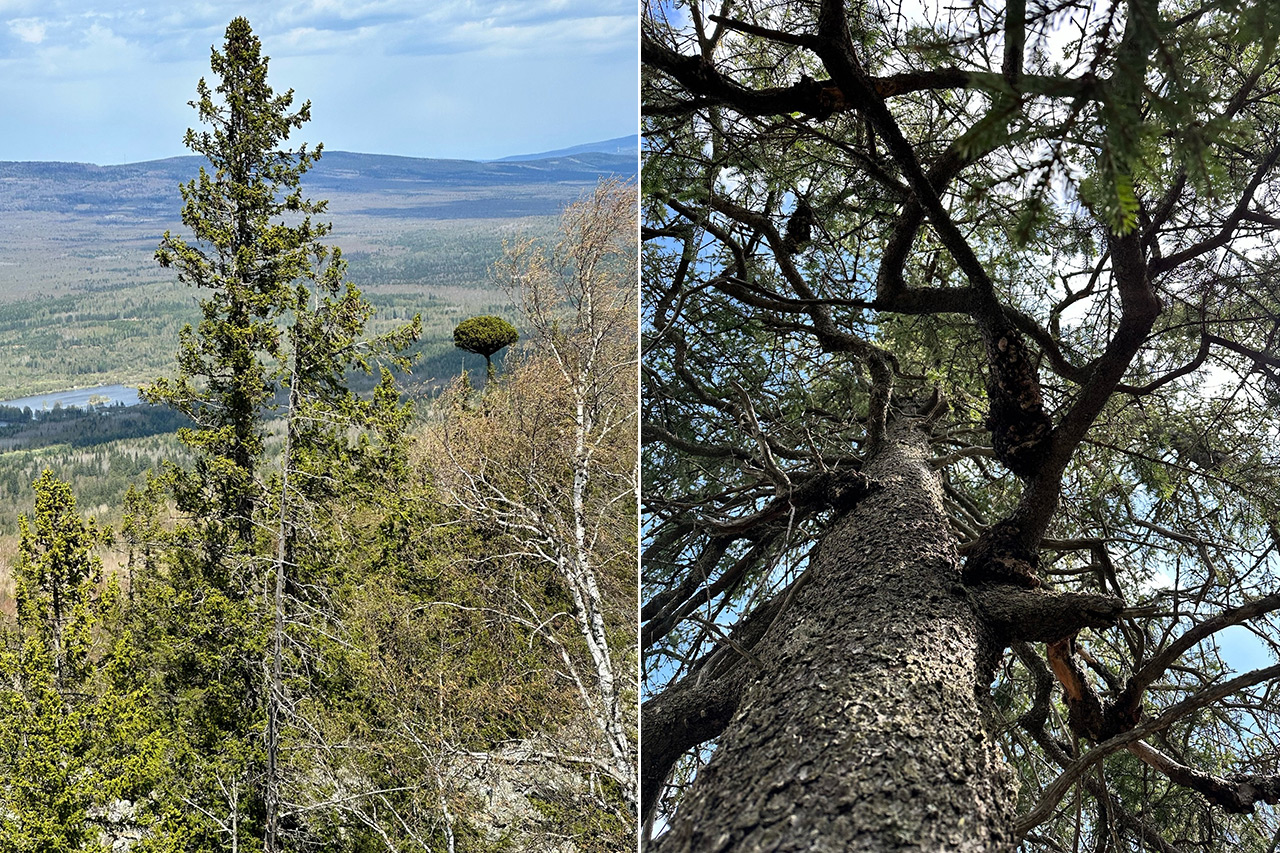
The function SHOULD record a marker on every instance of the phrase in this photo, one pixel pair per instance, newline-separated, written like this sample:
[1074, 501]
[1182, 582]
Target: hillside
[354, 183]
[624, 146]
[82, 300]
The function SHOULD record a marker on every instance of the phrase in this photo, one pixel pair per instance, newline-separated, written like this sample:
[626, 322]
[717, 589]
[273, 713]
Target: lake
[78, 398]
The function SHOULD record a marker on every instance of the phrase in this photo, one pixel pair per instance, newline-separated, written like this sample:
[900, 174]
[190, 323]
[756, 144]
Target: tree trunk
[861, 726]
[275, 668]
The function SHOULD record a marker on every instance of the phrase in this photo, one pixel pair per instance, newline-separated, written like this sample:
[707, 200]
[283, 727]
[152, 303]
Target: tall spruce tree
[247, 256]
[253, 237]
[281, 326]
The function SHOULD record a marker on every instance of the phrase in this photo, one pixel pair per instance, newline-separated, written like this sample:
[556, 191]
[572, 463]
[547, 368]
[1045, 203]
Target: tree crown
[1055, 253]
[484, 335]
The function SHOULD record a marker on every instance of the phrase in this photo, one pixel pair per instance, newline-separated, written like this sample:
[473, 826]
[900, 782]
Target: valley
[83, 302]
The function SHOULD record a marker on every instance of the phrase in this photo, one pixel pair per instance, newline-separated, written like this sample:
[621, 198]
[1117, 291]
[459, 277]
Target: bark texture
[861, 728]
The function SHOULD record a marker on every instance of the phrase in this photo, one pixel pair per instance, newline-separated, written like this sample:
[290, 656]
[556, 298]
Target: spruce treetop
[254, 239]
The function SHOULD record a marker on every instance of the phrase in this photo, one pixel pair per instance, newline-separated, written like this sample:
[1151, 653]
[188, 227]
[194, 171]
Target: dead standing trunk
[861, 726]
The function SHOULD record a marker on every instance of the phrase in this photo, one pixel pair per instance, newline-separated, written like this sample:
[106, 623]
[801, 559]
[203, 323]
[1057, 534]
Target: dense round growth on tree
[484, 335]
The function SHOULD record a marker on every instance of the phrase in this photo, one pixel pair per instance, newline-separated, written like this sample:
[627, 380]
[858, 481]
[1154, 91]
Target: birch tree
[548, 462]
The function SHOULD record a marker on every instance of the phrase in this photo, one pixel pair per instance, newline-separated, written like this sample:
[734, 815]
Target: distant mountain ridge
[372, 184]
[623, 146]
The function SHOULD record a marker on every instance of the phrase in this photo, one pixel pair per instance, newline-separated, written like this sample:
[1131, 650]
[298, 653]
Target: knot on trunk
[1019, 425]
[819, 98]
[999, 557]
[839, 490]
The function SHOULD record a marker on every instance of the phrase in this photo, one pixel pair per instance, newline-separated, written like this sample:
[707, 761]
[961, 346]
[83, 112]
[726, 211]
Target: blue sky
[108, 82]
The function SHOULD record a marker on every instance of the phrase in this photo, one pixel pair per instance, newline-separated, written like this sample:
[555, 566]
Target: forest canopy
[961, 345]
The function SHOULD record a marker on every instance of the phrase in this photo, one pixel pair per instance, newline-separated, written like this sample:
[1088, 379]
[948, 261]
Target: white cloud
[30, 30]
[85, 56]
[535, 31]
[109, 82]
[19, 7]
[311, 41]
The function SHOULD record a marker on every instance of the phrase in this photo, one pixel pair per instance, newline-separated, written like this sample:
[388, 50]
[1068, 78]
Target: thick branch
[1258, 356]
[819, 98]
[1060, 786]
[679, 719]
[697, 708]
[1236, 794]
[1015, 39]
[824, 98]
[1040, 616]
[1139, 308]
[684, 715]
[1086, 714]
[1017, 537]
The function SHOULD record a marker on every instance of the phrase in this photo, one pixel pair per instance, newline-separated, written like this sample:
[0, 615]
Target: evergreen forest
[302, 612]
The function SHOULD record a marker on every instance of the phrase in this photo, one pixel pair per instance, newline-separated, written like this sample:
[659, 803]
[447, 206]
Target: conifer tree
[57, 574]
[247, 255]
[484, 335]
[75, 731]
[281, 325]
[960, 382]
[44, 799]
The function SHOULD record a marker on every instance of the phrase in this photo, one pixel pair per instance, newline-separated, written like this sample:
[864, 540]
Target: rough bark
[1041, 616]
[862, 728]
[685, 718]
